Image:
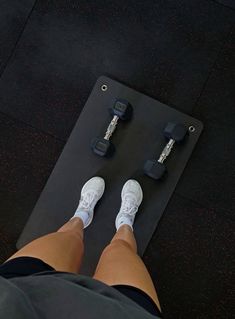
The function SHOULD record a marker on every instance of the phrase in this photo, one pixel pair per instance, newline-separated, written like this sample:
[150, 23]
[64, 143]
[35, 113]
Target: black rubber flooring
[178, 51]
[13, 18]
[228, 3]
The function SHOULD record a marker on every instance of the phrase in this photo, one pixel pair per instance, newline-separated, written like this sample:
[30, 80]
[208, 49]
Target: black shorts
[25, 266]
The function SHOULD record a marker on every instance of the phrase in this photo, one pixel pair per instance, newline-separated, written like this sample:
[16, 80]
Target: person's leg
[63, 250]
[119, 263]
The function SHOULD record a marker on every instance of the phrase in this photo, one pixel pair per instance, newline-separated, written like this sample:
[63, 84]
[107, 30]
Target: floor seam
[211, 70]
[198, 203]
[224, 5]
[3, 68]
[189, 199]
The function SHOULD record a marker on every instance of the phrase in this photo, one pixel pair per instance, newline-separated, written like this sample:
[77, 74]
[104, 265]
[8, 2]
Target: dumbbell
[176, 133]
[121, 110]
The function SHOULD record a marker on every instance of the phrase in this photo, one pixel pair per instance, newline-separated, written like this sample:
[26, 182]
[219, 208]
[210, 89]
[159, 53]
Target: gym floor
[178, 51]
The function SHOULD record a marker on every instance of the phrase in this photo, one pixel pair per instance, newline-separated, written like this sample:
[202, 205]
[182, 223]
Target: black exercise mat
[135, 142]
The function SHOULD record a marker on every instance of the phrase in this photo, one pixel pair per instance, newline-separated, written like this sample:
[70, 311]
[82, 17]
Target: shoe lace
[129, 206]
[87, 199]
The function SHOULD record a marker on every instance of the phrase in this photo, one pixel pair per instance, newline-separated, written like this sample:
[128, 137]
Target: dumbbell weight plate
[175, 131]
[102, 147]
[123, 109]
[154, 169]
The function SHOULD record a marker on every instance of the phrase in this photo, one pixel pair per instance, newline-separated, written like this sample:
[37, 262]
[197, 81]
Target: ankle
[76, 221]
[124, 220]
[125, 228]
[82, 215]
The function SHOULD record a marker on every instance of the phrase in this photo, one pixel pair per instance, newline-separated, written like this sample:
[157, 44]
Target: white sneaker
[91, 193]
[132, 196]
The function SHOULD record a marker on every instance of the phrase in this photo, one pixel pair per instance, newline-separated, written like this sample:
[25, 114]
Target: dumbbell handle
[111, 128]
[166, 151]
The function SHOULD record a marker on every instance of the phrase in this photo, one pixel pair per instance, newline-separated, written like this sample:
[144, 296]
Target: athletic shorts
[25, 266]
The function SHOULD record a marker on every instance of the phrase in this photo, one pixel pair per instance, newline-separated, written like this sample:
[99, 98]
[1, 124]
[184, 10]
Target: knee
[73, 235]
[118, 245]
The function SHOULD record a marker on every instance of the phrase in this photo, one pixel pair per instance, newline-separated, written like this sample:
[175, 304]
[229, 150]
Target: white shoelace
[86, 200]
[129, 206]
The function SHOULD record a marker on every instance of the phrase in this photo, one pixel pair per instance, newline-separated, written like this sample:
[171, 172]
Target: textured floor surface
[181, 53]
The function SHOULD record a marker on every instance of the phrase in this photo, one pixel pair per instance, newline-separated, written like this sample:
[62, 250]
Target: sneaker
[91, 193]
[132, 196]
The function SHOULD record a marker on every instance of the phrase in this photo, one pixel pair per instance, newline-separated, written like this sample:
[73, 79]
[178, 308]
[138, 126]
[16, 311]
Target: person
[42, 279]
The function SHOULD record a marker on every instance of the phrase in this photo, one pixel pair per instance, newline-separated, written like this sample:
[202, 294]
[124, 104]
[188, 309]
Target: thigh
[119, 265]
[62, 250]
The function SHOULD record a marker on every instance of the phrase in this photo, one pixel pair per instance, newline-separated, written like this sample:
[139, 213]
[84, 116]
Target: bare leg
[119, 264]
[62, 250]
